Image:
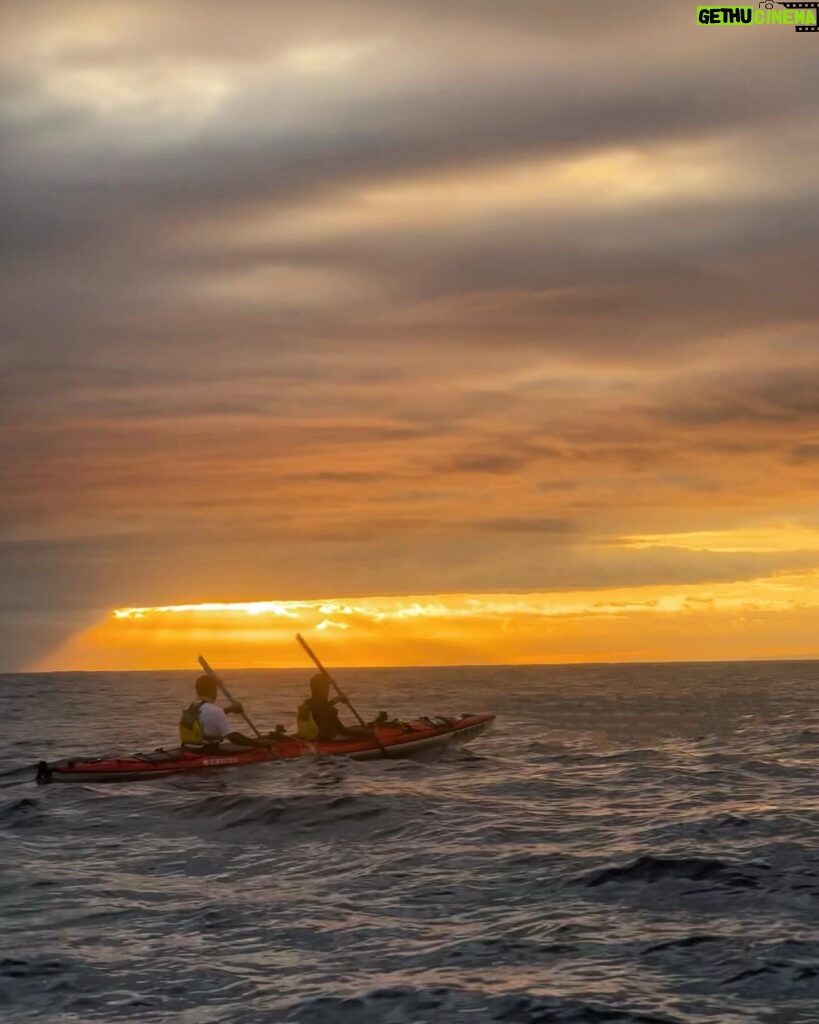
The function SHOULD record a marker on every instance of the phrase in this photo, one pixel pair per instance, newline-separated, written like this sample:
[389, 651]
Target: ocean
[633, 844]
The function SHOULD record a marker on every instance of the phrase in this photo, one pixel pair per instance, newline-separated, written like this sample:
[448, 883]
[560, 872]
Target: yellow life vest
[190, 728]
[305, 723]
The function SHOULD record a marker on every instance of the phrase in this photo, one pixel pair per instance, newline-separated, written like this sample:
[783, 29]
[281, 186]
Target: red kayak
[397, 740]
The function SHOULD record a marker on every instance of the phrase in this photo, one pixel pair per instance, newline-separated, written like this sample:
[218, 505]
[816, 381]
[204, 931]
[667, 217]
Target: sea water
[631, 844]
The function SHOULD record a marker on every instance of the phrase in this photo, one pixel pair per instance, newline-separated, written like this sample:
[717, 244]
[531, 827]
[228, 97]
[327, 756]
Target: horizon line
[389, 668]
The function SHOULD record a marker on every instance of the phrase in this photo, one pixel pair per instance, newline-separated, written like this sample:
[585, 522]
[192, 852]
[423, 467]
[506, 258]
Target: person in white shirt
[204, 723]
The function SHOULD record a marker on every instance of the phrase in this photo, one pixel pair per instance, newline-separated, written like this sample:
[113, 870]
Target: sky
[455, 331]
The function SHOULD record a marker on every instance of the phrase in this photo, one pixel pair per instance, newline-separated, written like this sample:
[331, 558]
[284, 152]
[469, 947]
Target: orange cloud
[761, 540]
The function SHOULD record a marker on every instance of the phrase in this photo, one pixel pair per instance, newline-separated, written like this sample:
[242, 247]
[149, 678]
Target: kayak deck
[397, 740]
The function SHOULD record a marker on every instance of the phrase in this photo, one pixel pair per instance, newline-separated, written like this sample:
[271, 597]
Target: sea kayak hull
[397, 741]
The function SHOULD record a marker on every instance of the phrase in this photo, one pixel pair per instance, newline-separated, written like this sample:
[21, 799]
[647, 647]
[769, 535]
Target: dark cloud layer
[379, 296]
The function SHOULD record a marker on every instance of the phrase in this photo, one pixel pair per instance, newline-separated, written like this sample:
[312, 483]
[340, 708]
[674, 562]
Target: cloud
[806, 452]
[511, 524]
[367, 296]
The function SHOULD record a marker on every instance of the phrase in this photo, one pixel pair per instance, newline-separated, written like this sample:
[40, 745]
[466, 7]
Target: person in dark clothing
[318, 717]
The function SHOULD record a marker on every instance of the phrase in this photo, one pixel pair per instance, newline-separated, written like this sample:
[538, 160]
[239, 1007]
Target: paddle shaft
[338, 689]
[209, 671]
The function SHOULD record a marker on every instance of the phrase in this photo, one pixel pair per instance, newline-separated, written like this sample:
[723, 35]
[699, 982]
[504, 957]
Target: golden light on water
[762, 618]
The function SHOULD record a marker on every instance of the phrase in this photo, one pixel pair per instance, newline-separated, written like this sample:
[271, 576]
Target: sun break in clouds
[768, 617]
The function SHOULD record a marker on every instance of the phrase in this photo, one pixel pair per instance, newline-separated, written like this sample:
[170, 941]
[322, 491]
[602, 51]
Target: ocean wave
[532, 1010]
[295, 814]
[651, 870]
[597, 858]
[23, 812]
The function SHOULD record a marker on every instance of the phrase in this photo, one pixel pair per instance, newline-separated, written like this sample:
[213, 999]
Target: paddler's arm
[350, 731]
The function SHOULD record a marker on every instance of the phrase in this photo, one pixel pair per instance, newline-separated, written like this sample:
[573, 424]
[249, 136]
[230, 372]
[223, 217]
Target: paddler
[317, 717]
[204, 723]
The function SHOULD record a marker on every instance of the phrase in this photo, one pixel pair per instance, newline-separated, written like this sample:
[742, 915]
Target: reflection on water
[631, 844]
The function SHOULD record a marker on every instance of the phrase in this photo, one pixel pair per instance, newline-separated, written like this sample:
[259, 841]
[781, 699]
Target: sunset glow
[511, 303]
[763, 539]
[766, 617]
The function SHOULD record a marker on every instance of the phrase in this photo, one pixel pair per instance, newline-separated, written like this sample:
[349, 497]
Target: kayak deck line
[400, 740]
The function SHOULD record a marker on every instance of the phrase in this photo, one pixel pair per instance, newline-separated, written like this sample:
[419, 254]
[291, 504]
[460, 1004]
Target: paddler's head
[206, 689]
[320, 686]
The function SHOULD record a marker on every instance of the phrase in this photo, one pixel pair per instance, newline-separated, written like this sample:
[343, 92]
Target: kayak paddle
[324, 672]
[229, 696]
